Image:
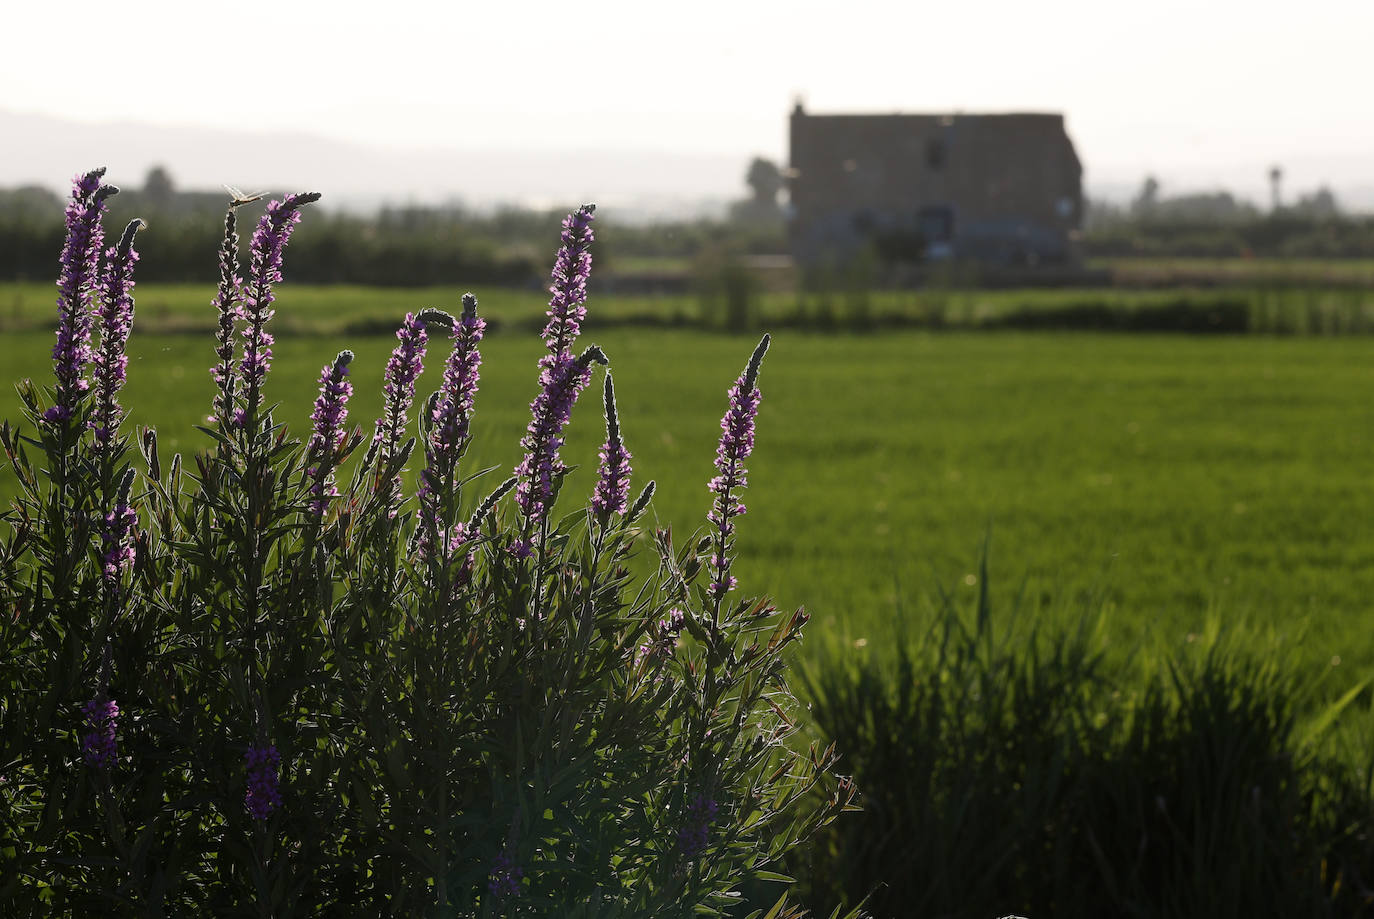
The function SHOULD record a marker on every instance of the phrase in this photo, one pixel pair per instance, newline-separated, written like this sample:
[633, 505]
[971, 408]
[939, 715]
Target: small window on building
[936, 224]
[935, 153]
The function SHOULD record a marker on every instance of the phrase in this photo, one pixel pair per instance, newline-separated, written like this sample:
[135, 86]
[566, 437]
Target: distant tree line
[412, 246]
[1275, 236]
[391, 249]
[408, 246]
[1218, 225]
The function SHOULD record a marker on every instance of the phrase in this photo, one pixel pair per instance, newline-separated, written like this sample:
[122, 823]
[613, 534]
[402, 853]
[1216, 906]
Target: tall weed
[1006, 768]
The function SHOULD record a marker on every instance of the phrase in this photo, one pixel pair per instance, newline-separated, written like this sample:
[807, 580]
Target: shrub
[266, 682]
[1010, 770]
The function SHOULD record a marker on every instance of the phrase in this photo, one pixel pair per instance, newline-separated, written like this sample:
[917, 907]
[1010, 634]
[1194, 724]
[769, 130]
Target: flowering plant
[270, 681]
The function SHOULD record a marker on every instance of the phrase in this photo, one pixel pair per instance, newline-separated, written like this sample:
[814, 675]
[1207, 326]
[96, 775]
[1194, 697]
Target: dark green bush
[1011, 770]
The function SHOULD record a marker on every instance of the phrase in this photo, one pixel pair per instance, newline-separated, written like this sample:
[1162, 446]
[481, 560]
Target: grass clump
[1014, 769]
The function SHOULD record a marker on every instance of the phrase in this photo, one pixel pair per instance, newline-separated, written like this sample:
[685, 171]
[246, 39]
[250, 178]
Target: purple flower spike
[117, 540]
[116, 320]
[571, 269]
[662, 641]
[269, 243]
[228, 304]
[503, 881]
[75, 292]
[612, 493]
[453, 413]
[264, 793]
[98, 745]
[331, 411]
[451, 420]
[736, 443]
[562, 380]
[398, 385]
[562, 377]
[695, 831]
[117, 532]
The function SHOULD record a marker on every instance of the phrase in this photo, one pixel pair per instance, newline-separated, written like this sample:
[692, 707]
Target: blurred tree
[1144, 203]
[765, 182]
[1318, 205]
[30, 202]
[158, 190]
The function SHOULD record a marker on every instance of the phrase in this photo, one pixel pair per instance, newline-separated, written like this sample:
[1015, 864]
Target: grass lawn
[1172, 480]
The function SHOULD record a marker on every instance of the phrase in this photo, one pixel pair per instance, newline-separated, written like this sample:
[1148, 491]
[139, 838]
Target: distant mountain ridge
[46, 151]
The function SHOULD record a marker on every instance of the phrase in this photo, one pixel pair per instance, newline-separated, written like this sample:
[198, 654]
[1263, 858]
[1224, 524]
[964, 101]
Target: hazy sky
[1204, 92]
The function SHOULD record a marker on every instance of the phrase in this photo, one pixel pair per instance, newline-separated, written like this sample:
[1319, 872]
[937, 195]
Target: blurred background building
[1004, 189]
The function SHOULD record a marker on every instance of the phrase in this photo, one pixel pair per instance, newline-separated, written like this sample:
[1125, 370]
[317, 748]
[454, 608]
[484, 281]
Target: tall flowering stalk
[450, 428]
[503, 879]
[116, 321]
[98, 744]
[228, 305]
[695, 831]
[75, 292]
[262, 795]
[117, 532]
[328, 434]
[561, 381]
[612, 493]
[398, 382]
[562, 377]
[736, 443]
[571, 269]
[269, 242]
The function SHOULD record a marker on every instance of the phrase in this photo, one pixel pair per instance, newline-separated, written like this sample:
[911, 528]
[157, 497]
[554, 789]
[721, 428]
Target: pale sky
[1203, 93]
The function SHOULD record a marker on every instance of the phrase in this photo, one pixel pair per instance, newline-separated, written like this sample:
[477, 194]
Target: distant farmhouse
[998, 189]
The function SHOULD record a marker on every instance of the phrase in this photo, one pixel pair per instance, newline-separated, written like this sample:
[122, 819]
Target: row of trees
[423, 246]
[396, 246]
[1151, 205]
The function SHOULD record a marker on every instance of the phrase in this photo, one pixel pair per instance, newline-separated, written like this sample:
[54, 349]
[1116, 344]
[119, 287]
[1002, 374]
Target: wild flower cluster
[267, 680]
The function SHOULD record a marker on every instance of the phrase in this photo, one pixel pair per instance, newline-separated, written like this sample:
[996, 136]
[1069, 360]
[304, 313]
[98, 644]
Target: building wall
[1012, 184]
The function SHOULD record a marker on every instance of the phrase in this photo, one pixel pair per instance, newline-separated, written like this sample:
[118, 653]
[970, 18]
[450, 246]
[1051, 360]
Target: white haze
[666, 103]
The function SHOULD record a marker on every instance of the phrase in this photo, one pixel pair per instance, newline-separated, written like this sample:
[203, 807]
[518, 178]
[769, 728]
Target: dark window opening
[936, 223]
[935, 153]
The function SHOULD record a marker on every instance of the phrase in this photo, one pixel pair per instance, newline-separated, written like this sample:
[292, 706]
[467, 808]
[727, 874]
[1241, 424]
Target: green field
[1177, 480]
[1352, 271]
[351, 310]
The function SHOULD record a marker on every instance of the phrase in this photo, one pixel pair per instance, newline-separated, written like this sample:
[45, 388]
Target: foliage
[340, 249]
[1011, 769]
[1284, 235]
[406, 246]
[259, 681]
[726, 291]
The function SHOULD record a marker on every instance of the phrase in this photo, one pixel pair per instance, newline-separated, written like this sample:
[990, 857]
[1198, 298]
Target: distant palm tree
[1275, 178]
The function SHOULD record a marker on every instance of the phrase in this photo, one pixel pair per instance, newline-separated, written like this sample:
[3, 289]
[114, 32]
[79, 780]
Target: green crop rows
[1170, 481]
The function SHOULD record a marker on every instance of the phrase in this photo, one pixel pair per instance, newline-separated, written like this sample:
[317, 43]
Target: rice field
[1174, 482]
[1315, 309]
